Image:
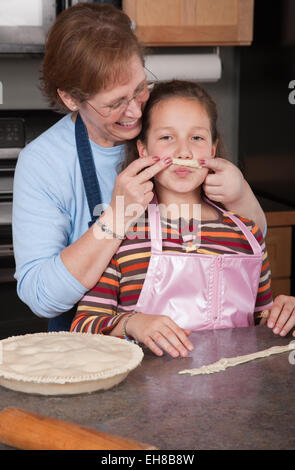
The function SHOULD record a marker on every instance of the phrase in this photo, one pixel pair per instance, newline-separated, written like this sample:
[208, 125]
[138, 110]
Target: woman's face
[179, 128]
[123, 123]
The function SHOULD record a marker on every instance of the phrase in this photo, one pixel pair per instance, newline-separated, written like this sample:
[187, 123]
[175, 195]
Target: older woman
[93, 71]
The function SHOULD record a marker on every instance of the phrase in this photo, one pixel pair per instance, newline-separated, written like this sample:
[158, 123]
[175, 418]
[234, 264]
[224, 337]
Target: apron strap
[155, 225]
[93, 194]
[87, 166]
[156, 230]
[256, 248]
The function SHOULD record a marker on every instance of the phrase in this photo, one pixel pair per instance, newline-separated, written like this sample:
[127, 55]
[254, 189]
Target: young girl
[187, 264]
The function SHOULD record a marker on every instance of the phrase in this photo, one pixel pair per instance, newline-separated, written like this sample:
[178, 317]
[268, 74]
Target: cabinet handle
[133, 25]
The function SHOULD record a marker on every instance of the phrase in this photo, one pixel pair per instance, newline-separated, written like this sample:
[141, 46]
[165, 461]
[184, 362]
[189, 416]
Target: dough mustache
[189, 163]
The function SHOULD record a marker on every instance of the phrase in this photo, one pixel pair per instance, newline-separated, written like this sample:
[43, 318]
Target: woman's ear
[142, 151]
[68, 100]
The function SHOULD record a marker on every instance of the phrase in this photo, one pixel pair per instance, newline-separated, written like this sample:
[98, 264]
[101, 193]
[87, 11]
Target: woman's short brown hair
[86, 51]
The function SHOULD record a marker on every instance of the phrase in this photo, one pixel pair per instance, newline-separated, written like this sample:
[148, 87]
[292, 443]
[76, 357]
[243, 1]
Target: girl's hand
[159, 333]
[226, 184]
[282, 315]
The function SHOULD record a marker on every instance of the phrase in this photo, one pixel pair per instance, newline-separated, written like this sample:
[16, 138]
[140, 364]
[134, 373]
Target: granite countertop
[250, 406]
[277, 213]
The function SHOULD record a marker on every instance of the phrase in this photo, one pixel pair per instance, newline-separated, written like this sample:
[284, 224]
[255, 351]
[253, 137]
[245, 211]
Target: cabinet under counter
[280, 245]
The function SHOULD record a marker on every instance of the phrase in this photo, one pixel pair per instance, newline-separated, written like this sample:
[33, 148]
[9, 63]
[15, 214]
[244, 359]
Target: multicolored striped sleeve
[97, 310]
[264, 298]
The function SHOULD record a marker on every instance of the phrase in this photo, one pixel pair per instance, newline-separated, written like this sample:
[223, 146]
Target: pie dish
[62, 363]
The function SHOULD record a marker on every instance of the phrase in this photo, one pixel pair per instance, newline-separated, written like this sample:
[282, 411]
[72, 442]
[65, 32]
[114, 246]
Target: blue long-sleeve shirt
[50, 212]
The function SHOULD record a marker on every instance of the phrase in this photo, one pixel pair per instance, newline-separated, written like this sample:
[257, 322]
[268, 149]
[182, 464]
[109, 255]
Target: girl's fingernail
[270, 324]
[168, 160]
[156, 159]
[283, 333]
[276, 330]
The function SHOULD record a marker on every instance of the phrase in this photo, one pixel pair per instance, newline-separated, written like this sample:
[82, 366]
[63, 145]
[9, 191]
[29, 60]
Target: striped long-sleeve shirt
[119, 287]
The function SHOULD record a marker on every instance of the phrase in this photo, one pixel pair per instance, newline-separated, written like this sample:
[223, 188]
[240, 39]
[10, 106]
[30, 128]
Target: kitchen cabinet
[279, 244]
[192, 22]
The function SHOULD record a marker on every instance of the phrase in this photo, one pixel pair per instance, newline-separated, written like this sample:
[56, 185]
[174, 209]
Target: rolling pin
[31, 431]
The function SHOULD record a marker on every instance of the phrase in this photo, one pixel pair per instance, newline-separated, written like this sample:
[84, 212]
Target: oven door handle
[6, 250]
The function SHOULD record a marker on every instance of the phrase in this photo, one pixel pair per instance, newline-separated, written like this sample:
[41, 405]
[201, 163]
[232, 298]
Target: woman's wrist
[240, 199]
[108, 231]
[253, 209]
[114, 223]
[248, 206]
[122, 217]
[108, 226]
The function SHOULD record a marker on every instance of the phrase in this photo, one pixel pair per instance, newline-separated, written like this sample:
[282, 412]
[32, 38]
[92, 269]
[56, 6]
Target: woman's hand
[159, 333]
[281, 318]
[133, 189]
[227, 185]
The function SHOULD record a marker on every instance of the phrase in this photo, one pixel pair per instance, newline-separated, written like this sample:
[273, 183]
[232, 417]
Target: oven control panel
[12, 133]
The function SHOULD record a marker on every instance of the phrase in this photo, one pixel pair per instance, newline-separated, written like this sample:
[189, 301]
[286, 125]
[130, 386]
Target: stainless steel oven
[17, 128]
[12, 139]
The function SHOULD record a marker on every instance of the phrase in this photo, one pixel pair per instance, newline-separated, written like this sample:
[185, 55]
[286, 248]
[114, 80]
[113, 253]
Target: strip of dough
[191, 163]
[224, 363]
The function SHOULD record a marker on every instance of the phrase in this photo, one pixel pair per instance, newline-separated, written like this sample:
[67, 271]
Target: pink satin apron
[201, 291]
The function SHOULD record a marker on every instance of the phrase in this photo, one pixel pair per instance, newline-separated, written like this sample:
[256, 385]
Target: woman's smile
[128, 124]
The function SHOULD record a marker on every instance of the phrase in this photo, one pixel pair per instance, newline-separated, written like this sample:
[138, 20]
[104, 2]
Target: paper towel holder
[200, 67]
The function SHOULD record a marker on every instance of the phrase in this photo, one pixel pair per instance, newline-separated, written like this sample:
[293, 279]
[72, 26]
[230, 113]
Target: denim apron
[63, 322]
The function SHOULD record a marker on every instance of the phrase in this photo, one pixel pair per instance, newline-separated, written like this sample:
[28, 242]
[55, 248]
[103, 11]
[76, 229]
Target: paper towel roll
[198, 67]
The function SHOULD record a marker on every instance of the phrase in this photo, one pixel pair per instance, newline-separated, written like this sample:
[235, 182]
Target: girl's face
[179, 128]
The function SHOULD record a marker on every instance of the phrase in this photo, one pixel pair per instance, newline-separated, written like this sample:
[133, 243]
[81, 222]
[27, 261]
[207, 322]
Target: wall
[19, 75]
[226, 94]
[267, 112]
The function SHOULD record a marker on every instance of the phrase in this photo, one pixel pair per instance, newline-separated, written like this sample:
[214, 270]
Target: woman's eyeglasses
[140, 95]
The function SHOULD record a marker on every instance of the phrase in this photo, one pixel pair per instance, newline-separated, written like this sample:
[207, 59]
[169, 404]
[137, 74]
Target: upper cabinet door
[192, 22]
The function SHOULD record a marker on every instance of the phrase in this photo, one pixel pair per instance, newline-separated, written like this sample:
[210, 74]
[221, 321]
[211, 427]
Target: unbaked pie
[65, 362]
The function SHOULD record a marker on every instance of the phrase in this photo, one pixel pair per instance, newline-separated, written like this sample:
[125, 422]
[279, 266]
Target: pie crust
[62, 363]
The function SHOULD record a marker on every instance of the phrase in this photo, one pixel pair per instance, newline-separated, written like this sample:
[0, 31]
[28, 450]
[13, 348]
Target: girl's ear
[142, 151]
[214, 147]
[68, 100]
